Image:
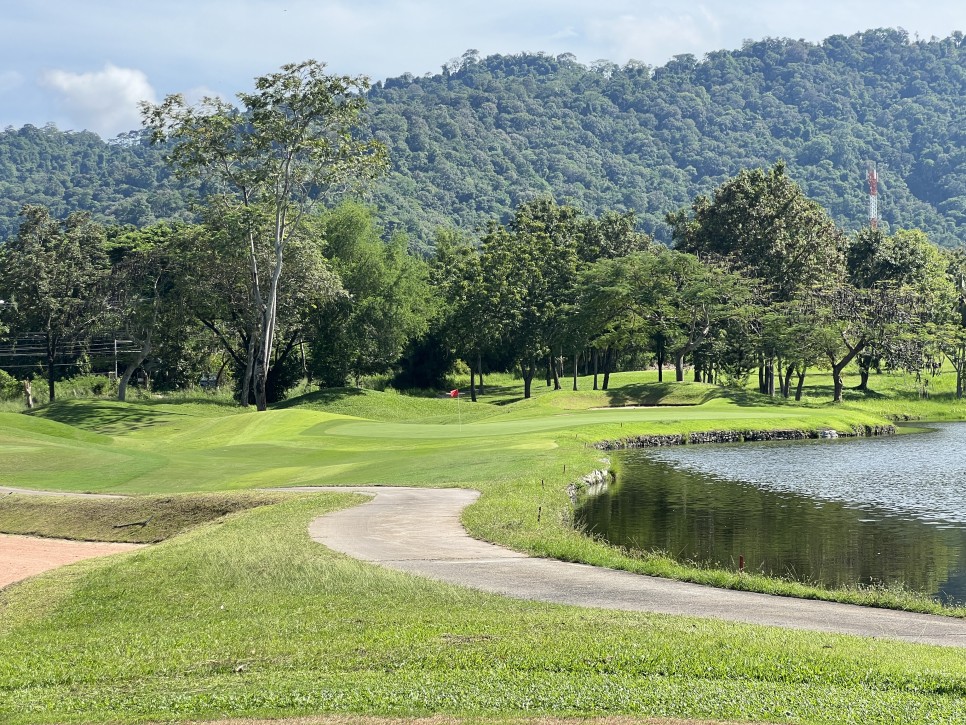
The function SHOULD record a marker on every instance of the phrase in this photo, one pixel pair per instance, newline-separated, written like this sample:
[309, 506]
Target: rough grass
[140, 519]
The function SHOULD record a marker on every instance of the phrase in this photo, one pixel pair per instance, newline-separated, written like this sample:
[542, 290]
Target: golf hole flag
[454, 393]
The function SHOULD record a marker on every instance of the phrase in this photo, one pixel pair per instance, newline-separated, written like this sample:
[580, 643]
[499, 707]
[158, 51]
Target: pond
[842, 512]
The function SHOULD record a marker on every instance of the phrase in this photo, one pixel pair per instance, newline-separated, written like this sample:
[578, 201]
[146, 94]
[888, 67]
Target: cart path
[418, 530]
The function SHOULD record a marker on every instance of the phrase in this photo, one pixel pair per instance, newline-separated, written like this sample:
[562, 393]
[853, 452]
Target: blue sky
[86, 64]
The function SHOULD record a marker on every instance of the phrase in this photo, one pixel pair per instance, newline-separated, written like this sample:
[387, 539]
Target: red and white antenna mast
[873, 197]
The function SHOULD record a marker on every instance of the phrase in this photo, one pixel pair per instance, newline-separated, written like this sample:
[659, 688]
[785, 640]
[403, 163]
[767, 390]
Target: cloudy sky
[85, 65]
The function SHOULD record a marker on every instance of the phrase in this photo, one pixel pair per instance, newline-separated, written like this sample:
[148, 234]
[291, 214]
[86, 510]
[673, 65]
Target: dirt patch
[25, 556]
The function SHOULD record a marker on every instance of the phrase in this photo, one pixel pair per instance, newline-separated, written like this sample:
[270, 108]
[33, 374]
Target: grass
[249, 617]
[140, 519]
[245, 616]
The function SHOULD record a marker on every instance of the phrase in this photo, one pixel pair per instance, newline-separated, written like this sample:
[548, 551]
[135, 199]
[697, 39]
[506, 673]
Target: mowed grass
[246, 616]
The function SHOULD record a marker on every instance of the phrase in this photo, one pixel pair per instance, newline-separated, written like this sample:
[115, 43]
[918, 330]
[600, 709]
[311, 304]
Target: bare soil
[25, 556]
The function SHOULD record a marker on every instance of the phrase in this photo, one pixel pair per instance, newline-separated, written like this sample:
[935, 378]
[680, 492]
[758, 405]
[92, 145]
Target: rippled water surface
[881, 510]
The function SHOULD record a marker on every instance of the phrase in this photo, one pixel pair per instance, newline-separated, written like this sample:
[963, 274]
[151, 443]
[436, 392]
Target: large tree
[761, 223]
[51, 278]
[292, 141]
[386, 302]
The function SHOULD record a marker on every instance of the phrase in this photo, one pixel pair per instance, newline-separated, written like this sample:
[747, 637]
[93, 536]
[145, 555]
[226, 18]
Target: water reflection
[838, 513]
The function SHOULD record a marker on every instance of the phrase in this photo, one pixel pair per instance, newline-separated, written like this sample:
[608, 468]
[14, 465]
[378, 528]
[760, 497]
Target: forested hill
[470, 143]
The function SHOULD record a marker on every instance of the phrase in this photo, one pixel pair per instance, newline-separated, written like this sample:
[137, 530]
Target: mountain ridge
[471, 142]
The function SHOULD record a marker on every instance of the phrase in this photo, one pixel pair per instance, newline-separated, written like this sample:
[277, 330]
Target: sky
[86, 65]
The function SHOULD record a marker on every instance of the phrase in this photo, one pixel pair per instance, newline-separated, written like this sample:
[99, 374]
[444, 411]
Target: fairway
[106, 446]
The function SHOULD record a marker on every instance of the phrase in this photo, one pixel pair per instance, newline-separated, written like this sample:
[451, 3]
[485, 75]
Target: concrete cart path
[417, 530]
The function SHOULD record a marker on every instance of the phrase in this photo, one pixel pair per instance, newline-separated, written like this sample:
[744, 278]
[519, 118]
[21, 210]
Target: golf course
[233, 610]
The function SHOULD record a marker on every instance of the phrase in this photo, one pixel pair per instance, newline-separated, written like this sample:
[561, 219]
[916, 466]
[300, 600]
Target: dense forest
[473, 142]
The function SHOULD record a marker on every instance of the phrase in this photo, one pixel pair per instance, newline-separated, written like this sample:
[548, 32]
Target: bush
[87, 386]
[10, 387]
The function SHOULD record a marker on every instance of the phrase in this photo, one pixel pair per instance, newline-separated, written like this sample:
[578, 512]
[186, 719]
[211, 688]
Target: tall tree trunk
[246, 389]
[770, 378]
[801, 382]
[863, 376]
[135, 364]
[479, 370]
[529, 370]
[679, 366]
[661, 355]
[697, 368]
[556, 373]
[549, 373]
[762, 384]
[787, 382]
[839, 367]
[472, 383]
[596, 355]
[576, 366]
[28, 394]
[608, 361]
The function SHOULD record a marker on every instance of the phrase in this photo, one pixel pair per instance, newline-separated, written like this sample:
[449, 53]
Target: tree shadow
[107, 418]
[325, 396]
[189, 400]
[675, 394]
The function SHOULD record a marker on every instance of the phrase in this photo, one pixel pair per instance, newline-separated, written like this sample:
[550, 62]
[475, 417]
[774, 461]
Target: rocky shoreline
[740, 436]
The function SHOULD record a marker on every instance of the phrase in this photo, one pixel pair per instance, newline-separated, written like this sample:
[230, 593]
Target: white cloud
[656, 37]
[105, 101]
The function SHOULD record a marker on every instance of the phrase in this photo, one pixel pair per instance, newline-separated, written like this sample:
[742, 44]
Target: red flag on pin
[454, 393]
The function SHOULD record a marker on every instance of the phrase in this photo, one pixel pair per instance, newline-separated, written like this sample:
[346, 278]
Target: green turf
[250, 617]
[246, 616]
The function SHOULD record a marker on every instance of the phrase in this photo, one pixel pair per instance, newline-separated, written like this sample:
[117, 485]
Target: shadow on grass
[103, 417]
[326, 396]
[201, 398]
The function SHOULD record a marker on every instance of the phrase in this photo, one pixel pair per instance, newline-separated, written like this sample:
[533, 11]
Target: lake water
[872, 511]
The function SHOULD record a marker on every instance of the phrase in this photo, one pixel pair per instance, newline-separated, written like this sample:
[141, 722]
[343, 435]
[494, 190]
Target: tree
[291, 143]
[466, 316]
[762, 223]
[145, 300]
[52, 277]
[906, 260]
[387, 300]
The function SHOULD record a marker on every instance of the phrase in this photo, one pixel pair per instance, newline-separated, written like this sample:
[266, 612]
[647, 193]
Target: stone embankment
[740, 436]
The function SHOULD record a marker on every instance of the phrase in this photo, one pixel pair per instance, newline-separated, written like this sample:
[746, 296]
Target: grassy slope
[161, 633]
[134, 519]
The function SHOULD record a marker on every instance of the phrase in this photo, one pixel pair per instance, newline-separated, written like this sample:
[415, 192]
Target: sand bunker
[24, 556]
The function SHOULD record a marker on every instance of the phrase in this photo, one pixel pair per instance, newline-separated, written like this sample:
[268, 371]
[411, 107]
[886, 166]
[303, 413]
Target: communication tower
[873, 197]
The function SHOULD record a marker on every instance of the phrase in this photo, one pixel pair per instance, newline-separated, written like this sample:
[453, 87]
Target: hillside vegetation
[472, 142]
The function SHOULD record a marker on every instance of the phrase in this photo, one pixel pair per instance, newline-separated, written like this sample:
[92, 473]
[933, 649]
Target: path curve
[418, 530]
